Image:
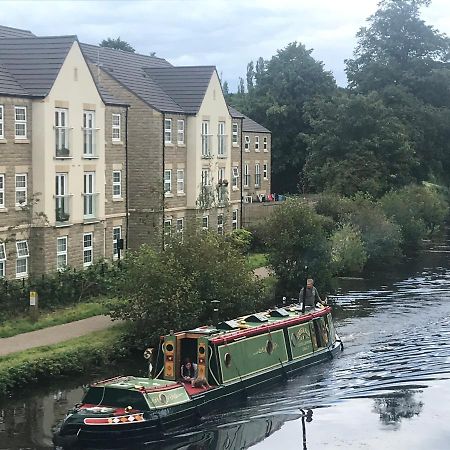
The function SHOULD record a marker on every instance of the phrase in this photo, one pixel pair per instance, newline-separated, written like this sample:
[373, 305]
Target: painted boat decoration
[233, 358]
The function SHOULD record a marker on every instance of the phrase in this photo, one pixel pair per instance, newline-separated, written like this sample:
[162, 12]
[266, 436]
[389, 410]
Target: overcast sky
[224, 33]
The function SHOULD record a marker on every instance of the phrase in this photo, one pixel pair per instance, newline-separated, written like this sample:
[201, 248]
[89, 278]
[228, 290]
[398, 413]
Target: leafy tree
[280, 88]
[225, 88]
[355, 144]
[117, 44]
[295, 237]
[174, 289]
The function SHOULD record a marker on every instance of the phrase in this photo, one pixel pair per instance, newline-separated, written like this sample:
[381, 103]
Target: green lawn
[256, 260]
[25, 324]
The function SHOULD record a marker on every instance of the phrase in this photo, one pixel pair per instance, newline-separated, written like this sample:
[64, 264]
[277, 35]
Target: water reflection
[400, 405]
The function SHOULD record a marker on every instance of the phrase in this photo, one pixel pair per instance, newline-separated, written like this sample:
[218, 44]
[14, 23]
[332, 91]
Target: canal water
[389, 389]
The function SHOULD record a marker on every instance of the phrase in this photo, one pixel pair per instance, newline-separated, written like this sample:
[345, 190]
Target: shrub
[296, 238]
[333, 206]
[347, 250]
[240, 239]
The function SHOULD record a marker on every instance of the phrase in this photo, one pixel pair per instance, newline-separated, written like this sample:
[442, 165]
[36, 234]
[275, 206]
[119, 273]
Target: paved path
[67, 331]
[54, 335]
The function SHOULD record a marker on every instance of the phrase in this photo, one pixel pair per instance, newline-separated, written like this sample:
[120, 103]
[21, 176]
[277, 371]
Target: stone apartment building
[118, 145]
[62, 158]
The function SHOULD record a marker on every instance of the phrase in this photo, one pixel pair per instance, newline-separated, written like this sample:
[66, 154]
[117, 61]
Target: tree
[225, 88]
[280, 88]
[117, 44]
[356, 143]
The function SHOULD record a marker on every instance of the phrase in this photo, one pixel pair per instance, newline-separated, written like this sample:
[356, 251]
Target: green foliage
[295, 238]
[117, 44]
[256, 260]
[356, 144]
[418, 210]
[240, 239]
[277, 91]
[333, 205]
[348, 255]
[174, 289]
[71, 357]
[57, 289]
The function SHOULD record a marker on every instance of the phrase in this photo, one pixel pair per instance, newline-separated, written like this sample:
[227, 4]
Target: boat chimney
[215, 312]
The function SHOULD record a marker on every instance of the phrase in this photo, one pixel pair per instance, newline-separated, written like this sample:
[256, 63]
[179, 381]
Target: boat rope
[210, 368]
[157, 357]
[103, 396]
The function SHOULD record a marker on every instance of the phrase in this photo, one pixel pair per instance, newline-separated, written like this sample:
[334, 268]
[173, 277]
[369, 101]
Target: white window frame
[116, 127]
[23, 122]
[265, 170]
[206, 177]
[61, 253]
[22, 254]
[180, 131]
[23, 189]
[2, 123]
[257, 174]
[167, 181]
[234, 219]
[265, 144]
[247, 143]
[235, 177]
[117, 184]
[88, 250]
[221, 140]
[89, 197]
[235, 134]
[89, 135]
[180, 181]
[246, 175]
[167, 131]
[2, 191]
[2, 260]
[220, 224]
[167, 227]
[205, 227]
[256, 143]
[115, 242]
[179, 229]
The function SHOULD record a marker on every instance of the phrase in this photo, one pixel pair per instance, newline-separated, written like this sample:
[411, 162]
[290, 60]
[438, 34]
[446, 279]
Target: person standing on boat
[189, 371]
[312, 295]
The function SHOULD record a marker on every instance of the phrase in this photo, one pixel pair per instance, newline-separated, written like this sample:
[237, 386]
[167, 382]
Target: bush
[348, 255]
[296, 238]
[241, 240]
[418, 210]
[333, 206]
[174, 289]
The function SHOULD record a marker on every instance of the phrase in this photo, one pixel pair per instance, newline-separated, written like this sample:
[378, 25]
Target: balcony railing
[90, 143]
[62, 209]
[206, 146]
[222, 146]
[90, 206]
[62, 142]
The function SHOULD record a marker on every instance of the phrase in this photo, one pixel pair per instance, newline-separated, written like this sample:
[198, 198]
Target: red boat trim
[166, 387]
[230, 337]
[117, 420]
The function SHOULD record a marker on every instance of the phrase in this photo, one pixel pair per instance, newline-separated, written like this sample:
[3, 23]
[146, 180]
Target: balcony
[90, 143]
[206, 146]
[62, 143]
[222, 146]
[90, 207]
[62, 210]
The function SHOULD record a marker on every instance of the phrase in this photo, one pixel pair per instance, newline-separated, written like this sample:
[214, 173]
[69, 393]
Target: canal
[389, 389]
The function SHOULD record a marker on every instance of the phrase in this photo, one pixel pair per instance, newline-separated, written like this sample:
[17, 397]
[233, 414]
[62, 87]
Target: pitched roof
[34, 62]
[248, 124]
[186, 85]
[129, 69]
[8, 85]
[8, 32]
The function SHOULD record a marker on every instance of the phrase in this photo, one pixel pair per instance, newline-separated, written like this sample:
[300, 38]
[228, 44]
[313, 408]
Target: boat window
[201, 350]
[227, 360]
[120, 398]
[269, 347]
[169, 347]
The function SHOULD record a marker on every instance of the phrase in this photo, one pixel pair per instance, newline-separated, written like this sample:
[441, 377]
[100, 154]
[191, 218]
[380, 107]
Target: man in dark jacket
[312, 296]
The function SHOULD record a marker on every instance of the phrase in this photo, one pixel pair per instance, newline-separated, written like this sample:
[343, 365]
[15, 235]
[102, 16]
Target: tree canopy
[117, 44]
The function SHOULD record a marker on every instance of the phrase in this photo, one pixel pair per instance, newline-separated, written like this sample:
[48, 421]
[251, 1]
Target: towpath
[67, 331]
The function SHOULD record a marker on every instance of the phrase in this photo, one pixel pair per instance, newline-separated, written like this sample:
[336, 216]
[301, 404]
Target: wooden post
[34, 301]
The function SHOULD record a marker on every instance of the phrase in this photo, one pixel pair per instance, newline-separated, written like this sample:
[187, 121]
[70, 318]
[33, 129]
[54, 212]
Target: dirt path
[54, 335]
[262, 272]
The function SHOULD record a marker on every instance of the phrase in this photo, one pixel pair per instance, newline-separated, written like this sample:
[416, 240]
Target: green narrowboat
[232, 359]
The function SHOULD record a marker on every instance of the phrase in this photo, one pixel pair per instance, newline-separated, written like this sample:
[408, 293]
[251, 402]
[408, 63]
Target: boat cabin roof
[138, 384]
[251, 324]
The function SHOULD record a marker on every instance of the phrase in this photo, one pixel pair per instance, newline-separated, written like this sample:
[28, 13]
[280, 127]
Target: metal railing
[206, 146]
[90, 143]
[62, 142]
[90, 206]
[62, 209]
[222, 146]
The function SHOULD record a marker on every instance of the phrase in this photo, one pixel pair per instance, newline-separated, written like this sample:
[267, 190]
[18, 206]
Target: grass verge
[256, 260]
[67, 358]
[26, 324]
